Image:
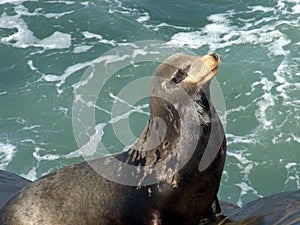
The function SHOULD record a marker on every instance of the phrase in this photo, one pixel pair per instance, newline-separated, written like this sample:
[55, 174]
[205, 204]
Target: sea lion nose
[215, 56]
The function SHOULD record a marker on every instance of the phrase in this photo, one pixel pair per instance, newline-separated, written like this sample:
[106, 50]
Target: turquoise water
[46, 47]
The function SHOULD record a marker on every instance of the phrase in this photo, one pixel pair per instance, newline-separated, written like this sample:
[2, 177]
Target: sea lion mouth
[215, 70]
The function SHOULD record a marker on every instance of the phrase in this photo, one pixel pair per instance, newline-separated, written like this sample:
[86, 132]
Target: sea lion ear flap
[181, 74]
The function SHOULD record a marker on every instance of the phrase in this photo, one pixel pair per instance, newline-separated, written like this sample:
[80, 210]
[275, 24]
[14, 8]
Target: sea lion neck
[203, 100]
[159, 136]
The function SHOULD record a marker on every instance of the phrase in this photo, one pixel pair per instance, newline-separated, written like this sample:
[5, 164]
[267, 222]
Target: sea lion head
[190, 72]
[174, 123]
[180, 76]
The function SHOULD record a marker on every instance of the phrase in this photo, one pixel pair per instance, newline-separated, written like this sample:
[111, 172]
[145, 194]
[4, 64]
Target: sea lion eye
[181, 74]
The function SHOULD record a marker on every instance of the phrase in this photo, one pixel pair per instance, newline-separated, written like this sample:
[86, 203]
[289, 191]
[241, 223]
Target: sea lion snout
[211, 61]
[205, 69]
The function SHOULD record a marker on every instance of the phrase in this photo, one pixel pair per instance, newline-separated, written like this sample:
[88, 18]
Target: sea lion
[169, 188]
[281, 209]
[10, 185]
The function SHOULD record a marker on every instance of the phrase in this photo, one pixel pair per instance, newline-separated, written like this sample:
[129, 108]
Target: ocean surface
[46, 48]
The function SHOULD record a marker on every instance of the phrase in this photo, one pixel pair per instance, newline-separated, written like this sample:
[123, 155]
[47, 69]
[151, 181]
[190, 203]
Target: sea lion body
[182, 194]
[281, 209]
[10, 185]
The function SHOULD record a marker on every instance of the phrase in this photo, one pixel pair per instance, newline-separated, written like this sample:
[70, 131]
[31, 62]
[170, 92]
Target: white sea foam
[46, 157]
[118, 7]
[163, 25]
[31, 141]
[289, 165]
[86, 3]
[293, 174]
[244, 164]
[281, 73]
[261, 8]
[31, 175]
[295, 138]
[237, 109]
[216, 29]
[245, 139]
[57, 40]
[282, 4]
[296, 9]
[220, 18]
[61, 79]
[292, 1]
[145, 17]
[140, 15]
[24, 37]
[90, 148]
[276, 47]
[31, 66]
[82, 48]
[7, 153]
[220, 33]
[55, 15]
[31, 127]
[15, 2]
[21, 10]
[266, 101]
[218, 36]
[90, 35]
[63, 2]
[64, 110]
[241, 156]
[245, 189]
